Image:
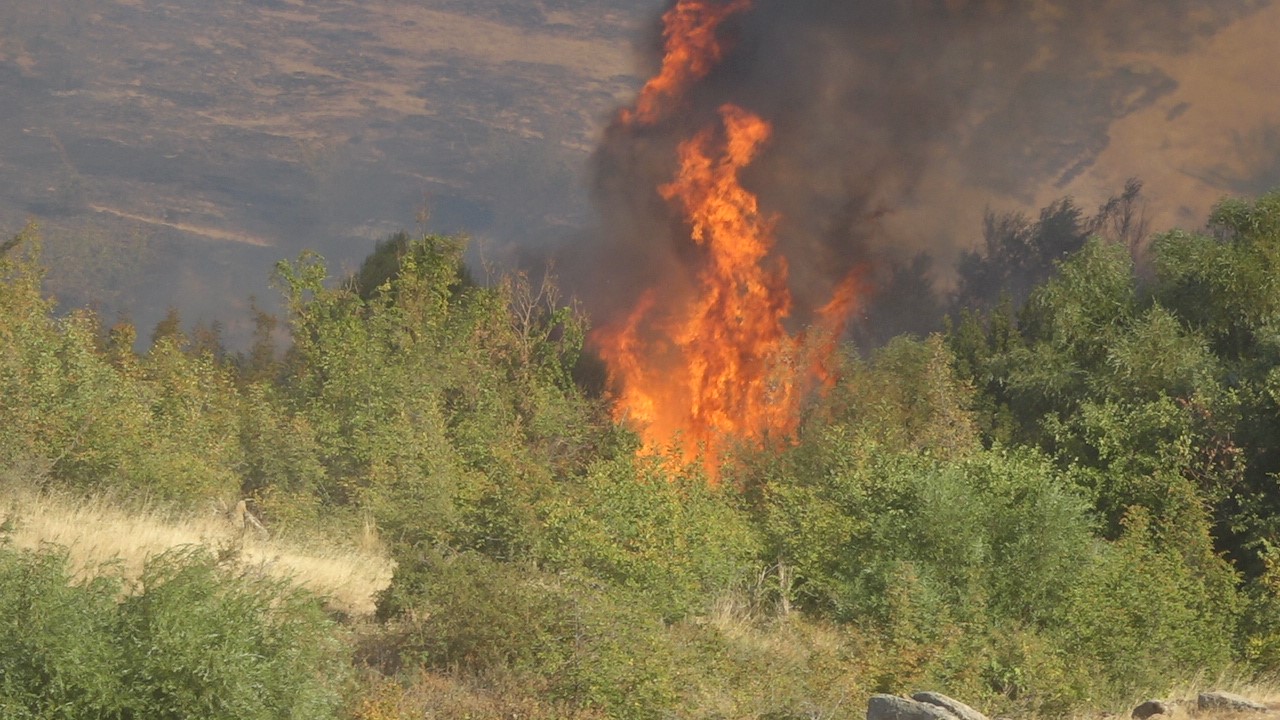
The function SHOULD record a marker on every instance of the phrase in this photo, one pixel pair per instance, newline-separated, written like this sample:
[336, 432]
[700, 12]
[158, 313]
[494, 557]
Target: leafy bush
[985, 575]
[907, 397]
[60, 653]
[190, 642]
[1260, 619]
[1140, 599]
[999, 532]
[672, 543]
[164, 426]
[578, 642]
[444, 408]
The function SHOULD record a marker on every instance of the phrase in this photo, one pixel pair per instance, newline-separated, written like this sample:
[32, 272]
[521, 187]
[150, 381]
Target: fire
[698, 373]
[692, 47]
[696, 370]
[830, 325]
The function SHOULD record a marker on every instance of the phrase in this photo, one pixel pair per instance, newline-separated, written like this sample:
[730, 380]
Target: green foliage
[973, 567]
[98, 418]
[672, 543]
[1223, 286]
[1018, 253]
[281, 453]
[1143, 599]
[193, 429]
[1123, 393]
[818, 501]
[59, 650]
[997, 533]
[985, 574]
[907, 397]
[1062, 501]
[1260, 620]
[1155, 399]
[1067, 327]
[190, 642]
[443, 407]
[577, 642]
[239, 647]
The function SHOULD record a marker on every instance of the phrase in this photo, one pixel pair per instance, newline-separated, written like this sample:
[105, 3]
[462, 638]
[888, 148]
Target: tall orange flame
[696, 371]
[692, 48]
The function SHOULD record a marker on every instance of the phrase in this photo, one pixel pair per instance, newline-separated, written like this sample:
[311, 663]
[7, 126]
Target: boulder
[955, 707]
[1148, 709]
[891, 707]
[1228, 701]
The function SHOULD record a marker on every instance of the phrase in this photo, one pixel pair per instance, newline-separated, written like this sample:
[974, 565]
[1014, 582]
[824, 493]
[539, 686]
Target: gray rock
[1148, 709]
[955, 707]
[1228, 701]
[890, 707]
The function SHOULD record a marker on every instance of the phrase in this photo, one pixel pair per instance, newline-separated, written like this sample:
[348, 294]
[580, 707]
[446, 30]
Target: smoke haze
[173, 150]
[898, 124]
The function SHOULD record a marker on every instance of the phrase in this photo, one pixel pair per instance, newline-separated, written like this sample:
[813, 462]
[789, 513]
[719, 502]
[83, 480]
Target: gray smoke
[879, 107]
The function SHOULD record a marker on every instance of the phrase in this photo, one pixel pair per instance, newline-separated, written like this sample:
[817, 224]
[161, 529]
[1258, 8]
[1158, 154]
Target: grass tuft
[96, 532]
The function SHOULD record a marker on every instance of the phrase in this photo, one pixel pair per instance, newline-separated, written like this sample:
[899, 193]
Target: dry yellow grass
[1181, 699]
[432, 696]
[96, 532]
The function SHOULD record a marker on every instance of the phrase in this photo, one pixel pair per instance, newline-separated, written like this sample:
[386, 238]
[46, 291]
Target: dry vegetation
[348, 572]
[1181, 700]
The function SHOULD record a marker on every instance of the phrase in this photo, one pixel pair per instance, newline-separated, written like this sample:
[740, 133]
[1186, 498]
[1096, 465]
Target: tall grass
[348, 572]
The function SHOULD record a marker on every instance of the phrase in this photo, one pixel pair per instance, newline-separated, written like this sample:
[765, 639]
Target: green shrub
[673, 543]
[465, 611]
[96, 418]
[1141, 612]
[998, 532]
[1260, 622]
[60, 653]
[579, 642]
[191, 642]
[908, 397]
[984, 575]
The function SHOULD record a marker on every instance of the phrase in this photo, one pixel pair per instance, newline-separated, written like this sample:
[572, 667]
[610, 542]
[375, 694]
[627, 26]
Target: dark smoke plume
[896, 123]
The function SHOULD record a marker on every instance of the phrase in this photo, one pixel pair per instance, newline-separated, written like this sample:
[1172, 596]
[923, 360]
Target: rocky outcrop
[891, 707]
[1148, 709]
[1228, 701]
[951, 705]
